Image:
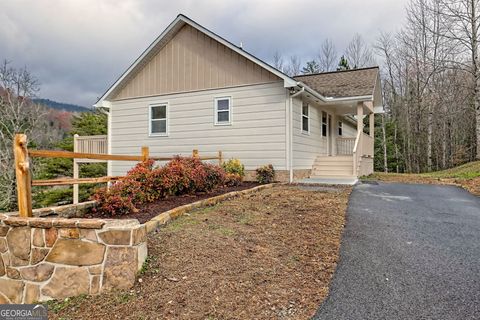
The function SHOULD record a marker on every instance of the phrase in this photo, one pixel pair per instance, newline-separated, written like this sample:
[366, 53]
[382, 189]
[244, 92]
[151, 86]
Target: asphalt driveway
[408, 252]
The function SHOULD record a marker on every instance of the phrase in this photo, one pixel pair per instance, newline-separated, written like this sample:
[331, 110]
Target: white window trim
[308, 117]
[340, 126]
[159, 134]
[215, 111]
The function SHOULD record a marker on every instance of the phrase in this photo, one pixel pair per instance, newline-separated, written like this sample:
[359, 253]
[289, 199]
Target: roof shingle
[339, 84]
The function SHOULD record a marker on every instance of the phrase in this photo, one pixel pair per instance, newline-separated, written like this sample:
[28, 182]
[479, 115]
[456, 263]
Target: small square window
[158, 120]
[223, 109]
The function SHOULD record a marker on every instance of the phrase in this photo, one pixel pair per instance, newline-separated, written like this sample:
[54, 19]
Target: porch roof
[340, 84]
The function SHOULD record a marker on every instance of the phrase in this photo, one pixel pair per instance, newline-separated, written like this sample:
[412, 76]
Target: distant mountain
[62, 106]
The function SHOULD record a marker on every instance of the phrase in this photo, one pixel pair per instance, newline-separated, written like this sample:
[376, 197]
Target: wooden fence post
[22, 172]
[220, 158]
[145, 153]
[75, 170]
[195, 153]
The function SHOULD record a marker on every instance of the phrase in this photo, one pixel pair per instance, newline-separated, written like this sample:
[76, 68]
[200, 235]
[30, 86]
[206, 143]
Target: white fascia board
[332, 99]
[378, 110]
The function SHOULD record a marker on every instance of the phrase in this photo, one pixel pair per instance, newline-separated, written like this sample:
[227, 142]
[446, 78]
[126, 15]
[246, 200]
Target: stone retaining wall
[54, 258]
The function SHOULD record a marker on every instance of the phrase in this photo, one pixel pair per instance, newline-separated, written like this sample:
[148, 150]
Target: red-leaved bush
[147, 183]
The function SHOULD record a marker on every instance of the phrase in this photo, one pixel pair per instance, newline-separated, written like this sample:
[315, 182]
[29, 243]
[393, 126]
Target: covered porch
[350, 98]
[349, 153]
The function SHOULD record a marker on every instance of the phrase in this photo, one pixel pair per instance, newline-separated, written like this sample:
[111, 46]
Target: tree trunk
[384, 140]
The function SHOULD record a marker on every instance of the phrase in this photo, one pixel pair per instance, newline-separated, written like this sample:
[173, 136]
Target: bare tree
[294, 66]
[17, 114]
[278, 61]
[460, 20]
[327, 57]
[358, 53]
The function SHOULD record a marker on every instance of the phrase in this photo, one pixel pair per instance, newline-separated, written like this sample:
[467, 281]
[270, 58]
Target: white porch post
[359, 117]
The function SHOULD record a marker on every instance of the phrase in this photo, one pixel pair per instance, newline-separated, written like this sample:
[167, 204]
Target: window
[158, 120]
[223, 111]
[305, 118]
[340, 128]
[324, 123]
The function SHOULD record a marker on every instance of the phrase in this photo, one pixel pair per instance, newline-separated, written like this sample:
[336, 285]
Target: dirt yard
[268, 255]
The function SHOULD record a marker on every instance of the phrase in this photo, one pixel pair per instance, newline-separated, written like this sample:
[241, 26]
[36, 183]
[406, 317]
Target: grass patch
[60, 305]
[224, 231]
[125, 297]
[181, 223]
[246, 219]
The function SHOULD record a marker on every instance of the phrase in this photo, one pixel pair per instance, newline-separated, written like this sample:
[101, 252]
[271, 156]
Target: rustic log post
[145, 153]
[195, 153]
[220, 158]
[22, 172]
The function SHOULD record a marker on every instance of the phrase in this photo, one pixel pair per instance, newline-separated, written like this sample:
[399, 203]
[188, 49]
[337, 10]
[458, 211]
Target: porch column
[371, 125]
[359, 117]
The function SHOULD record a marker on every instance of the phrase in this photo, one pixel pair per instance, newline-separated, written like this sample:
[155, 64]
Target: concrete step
[338, 158]
[334, 166]
[332, 172]
[330, 180]
[334, 160]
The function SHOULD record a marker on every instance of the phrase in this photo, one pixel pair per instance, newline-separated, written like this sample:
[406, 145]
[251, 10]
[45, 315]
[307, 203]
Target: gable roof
[166, 36]
[341, 84]
[359, 84]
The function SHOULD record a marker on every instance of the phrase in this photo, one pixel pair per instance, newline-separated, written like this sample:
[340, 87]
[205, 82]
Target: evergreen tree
[311, 67]
[343, 64]
[84, 124]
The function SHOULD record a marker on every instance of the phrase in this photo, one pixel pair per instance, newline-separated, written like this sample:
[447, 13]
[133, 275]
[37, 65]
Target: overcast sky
[77, 48]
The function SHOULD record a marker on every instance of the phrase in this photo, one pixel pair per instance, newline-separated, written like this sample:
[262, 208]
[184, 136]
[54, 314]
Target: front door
[330, 135]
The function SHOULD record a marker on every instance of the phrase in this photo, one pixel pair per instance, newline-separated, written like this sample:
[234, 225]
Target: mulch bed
[150, 210]
[266, 255]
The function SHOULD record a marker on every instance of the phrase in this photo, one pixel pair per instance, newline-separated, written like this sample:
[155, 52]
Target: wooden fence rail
[23, 174]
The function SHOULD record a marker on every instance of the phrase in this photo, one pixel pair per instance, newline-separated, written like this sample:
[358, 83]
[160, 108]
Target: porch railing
[367, 145]
[363, 147]
[345, 146]
[90, 144]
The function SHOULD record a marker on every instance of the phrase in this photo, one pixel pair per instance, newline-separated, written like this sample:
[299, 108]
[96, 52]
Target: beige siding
[306, 147]
[256, 136]
[349, 130]
[193, 61]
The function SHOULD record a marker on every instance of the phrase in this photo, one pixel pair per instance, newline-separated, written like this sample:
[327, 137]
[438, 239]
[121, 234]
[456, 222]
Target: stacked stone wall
[54, 258]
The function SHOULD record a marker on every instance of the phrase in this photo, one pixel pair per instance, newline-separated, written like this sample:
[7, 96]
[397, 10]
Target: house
[192, 89]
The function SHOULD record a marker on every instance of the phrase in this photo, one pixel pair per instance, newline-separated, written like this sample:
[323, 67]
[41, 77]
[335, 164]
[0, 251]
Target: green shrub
[265, 174]
[234, 166]
[233, 179]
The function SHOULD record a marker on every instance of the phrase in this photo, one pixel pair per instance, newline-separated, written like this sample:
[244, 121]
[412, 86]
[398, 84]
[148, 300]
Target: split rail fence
[24, 177]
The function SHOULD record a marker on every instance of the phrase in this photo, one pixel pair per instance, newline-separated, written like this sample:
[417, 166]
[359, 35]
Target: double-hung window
[340, 128]
[223, 111]
[158, 120]
[324, 124]
[305, 118]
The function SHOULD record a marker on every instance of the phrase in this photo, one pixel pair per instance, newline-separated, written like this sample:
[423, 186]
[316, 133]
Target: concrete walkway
[408, 252]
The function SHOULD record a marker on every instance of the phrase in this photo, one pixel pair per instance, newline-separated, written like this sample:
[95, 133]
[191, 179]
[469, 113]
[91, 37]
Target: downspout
[290, 129]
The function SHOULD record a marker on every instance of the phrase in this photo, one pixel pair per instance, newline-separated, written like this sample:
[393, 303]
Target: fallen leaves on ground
[267, 255]
[470, 184]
